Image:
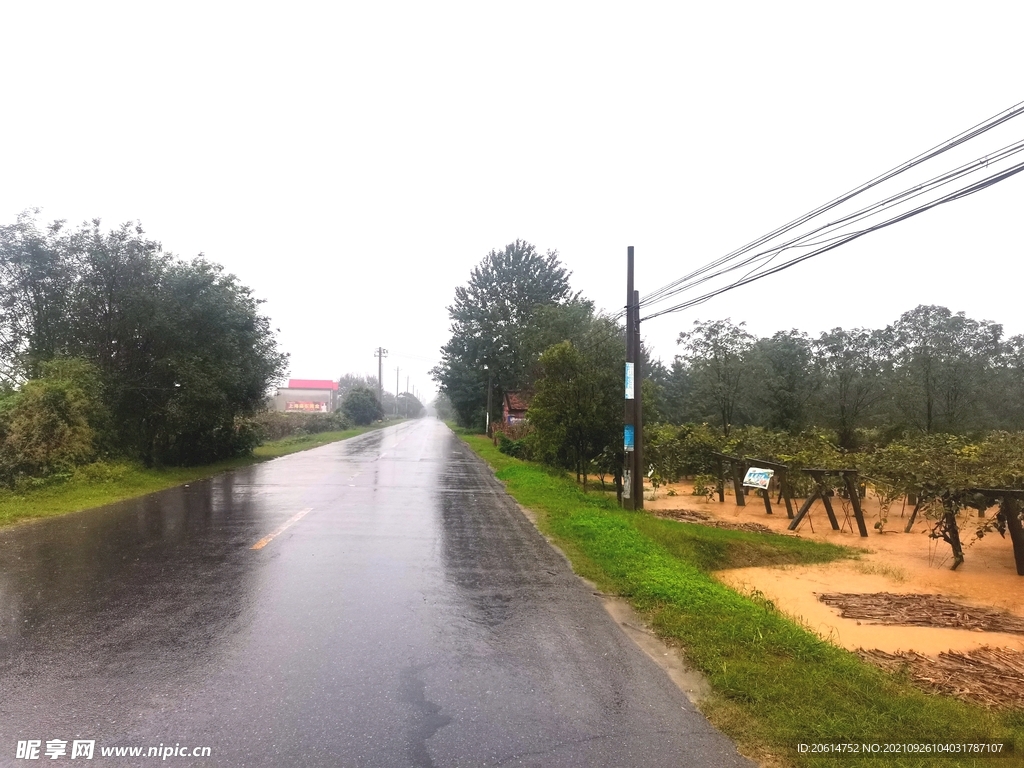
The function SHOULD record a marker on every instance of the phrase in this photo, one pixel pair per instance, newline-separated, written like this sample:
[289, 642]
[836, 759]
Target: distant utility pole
[396, 390]
[380, 354]
[407, 385]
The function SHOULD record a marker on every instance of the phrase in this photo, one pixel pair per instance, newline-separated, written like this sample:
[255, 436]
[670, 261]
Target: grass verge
[775, 684]
[102, 483]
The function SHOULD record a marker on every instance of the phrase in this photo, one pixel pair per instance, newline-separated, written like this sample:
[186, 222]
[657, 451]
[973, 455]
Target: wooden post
[629, 414]
[819, 480]
[737, 483]
[767, 501]
[786, 496]
[851, 488]
[804, 508]
[1011, 515]
[721, 481]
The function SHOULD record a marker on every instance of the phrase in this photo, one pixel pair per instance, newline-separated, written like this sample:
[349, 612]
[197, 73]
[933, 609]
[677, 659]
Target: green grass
[106, 482]
[774, 683]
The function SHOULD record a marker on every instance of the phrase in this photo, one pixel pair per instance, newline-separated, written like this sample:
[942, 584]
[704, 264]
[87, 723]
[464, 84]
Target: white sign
[758, 478]
[629, 381]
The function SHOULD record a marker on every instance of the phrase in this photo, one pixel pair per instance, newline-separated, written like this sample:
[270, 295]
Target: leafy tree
[715, 352]
[577, 408]
[183, 355]
[849, 366]
[942, 362]
[362, 406]
[493, 323]
[36, 281]
[784, 379]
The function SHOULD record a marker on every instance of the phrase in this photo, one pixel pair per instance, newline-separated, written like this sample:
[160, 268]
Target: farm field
[899, 578]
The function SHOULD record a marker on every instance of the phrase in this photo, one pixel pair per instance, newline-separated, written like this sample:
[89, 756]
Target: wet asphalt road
[409, 616]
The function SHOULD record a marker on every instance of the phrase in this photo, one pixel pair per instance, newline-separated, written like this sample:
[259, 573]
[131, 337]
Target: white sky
[351, 162]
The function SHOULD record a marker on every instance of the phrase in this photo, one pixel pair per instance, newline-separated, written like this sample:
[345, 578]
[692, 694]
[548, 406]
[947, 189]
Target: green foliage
[682, 451]
[715, 352]
[52, 423]
[495, 322]
[576, 410]
[182, 353]
[274, 425]
[361, 406]
[774, 683]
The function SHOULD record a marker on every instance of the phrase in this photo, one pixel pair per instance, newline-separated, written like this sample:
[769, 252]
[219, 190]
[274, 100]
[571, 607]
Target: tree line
[110, 346]
[931, 370]
[518, 325]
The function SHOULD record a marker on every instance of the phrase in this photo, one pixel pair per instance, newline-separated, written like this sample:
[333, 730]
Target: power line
[845, 221]
[676, 286]
[956, 195]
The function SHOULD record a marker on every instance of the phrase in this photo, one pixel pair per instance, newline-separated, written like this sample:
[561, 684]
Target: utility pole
[407, 385]
[629, 477]
[380, 354]
[638, 400]
[490, 384]
[396, 390]
[633, 413]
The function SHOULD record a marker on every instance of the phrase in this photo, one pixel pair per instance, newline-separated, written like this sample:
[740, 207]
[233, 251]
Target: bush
[51, 424]
[362, 406]
[275, 425]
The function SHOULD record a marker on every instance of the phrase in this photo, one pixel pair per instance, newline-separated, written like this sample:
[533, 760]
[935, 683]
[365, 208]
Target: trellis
[738, 467]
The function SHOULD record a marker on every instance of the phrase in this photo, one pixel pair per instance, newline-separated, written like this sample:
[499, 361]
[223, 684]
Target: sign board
[303, 407]
[629, 381]
[758, 478]
[627, 441]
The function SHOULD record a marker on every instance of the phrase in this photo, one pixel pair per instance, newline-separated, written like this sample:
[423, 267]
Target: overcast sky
[351, 162]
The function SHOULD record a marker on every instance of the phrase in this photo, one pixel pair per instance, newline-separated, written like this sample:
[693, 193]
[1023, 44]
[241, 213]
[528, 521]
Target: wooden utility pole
[638, 400]
[629, 477]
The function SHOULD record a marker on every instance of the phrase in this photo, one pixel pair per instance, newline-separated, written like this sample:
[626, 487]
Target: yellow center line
[270, 536]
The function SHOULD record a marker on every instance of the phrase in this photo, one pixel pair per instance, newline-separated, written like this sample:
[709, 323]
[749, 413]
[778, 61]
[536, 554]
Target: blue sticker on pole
[629, 381]
[627, 442]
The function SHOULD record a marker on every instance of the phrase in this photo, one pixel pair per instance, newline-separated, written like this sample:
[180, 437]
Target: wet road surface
[401, 611]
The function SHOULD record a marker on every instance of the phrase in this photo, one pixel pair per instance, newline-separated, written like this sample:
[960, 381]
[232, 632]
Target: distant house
[515, 406]
[307, 396]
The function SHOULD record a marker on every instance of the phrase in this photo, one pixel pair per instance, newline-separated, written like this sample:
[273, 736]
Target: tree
[943, 361]
[715, 352]
[849, 367]
[182, 352]
[362, 406]
[493, 319]
[784, 379]
[577, 407]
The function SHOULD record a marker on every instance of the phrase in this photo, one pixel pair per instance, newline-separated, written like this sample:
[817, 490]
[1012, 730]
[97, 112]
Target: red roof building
[515, 406]
[312, 384]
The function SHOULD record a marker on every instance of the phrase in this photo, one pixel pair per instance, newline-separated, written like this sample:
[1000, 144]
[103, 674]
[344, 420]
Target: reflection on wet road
[374, 602]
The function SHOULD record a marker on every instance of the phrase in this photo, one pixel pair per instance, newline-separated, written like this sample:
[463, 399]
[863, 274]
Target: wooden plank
[819, 481]
[767, 501]
[737, 483]
[851, 488]
[784, 484]
[720, 485]
[804, 509]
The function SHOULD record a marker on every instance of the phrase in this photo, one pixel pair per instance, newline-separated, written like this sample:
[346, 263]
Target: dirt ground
[894, 562]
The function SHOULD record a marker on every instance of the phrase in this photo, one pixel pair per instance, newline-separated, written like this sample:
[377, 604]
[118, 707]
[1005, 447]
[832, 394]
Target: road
[374, 602]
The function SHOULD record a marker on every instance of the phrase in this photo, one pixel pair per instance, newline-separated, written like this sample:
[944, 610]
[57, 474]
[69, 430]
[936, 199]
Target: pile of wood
[701, 518]
[920, 611]
[993, 677]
